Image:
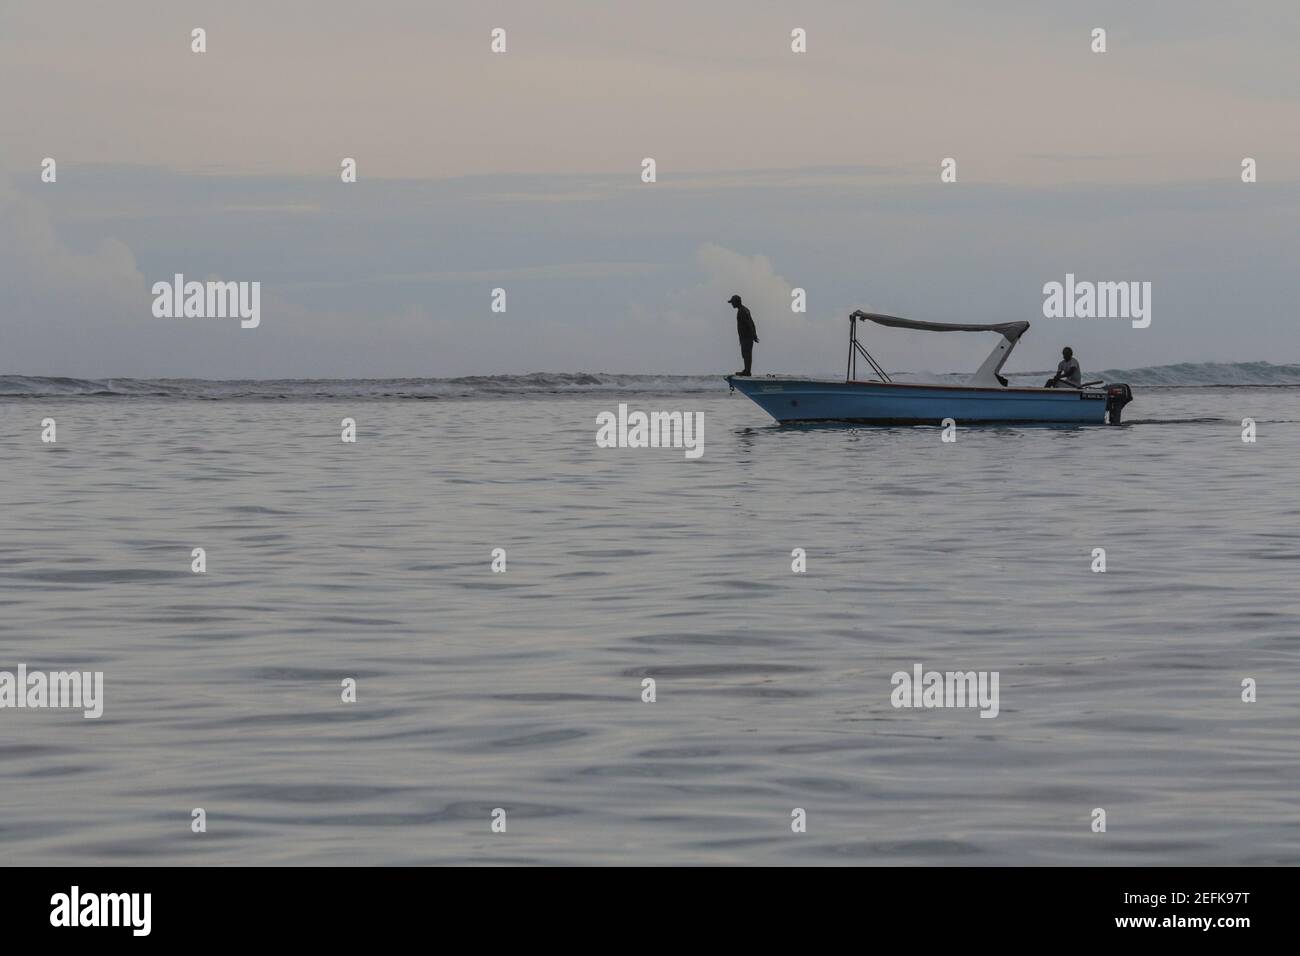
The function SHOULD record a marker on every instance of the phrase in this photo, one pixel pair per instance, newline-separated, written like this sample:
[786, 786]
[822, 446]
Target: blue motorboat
[984, 398]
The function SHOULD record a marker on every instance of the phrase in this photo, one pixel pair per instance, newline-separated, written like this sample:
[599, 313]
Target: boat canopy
[985, 376]
[1008, 330]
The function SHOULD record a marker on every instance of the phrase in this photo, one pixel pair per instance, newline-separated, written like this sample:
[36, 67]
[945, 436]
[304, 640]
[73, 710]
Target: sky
[522, 171]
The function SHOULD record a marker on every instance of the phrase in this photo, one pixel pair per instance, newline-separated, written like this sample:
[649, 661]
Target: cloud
[36, 259]
[753, 278]
[699, 313]
[57, 298]
[561, 270]
[394, 278]
[725, 273]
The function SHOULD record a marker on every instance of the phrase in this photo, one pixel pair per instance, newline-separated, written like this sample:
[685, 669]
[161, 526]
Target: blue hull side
[807, 400]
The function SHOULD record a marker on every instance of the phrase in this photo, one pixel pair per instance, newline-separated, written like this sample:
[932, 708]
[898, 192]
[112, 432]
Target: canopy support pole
[856, 348]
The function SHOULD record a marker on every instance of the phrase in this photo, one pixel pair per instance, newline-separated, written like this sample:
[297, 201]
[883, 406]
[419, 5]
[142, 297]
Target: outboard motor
[1117, 396]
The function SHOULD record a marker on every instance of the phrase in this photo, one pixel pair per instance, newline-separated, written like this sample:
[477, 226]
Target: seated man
[1068, 374]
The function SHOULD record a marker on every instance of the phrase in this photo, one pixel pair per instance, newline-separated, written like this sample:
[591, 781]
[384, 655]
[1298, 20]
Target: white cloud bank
[699, 314]
[58, 300]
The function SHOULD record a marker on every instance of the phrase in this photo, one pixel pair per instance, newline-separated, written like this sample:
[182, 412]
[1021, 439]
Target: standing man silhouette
[748, 334]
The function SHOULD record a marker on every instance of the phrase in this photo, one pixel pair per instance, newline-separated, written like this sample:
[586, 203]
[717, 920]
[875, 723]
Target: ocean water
[522, 690]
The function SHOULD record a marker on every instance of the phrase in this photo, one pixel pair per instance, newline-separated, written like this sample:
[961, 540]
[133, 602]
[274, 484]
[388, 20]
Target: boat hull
[897, 403]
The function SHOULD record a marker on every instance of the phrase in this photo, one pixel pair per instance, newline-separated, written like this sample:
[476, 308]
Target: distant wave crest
[1208, 373]
[1202, 374]
[470, 386]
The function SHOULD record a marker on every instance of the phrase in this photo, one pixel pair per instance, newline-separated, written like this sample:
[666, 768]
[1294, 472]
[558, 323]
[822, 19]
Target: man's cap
[734, 300]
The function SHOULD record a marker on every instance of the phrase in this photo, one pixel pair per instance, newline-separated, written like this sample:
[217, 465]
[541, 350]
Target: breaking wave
[470, 386]
[1184, 375]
